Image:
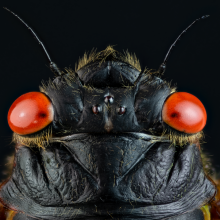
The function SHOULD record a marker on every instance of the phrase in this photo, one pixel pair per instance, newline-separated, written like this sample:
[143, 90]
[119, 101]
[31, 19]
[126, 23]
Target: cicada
[108, 140]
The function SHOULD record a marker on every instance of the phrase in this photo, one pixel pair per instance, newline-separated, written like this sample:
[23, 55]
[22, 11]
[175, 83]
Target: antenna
[162, 67]
[53, 66]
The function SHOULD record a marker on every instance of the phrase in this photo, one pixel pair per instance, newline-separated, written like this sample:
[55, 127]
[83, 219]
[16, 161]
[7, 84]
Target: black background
[147, 28]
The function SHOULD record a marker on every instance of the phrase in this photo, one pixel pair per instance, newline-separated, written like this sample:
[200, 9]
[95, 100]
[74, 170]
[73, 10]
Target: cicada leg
[6, 214]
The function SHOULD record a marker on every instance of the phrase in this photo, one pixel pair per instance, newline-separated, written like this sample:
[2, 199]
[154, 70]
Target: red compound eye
[30, 113]
[184, 112]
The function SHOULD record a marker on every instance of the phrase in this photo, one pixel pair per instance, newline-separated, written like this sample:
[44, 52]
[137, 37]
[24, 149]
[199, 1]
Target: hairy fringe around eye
[184, 139]
[40, 139]
[181, 139]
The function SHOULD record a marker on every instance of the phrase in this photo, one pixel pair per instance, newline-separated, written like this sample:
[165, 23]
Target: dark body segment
[194, 215]
[108, 163]
[108, 74]
[142, 102]
[127, 176]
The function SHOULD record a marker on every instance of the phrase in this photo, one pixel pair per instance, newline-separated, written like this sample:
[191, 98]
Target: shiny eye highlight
[96, 109]
[184, 112]
[121, 110]
[30, 113]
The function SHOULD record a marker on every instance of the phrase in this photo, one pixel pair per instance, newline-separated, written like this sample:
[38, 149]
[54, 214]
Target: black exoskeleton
[107, 153]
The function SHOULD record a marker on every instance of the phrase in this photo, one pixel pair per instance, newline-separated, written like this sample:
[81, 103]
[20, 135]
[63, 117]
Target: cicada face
[105, 146]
